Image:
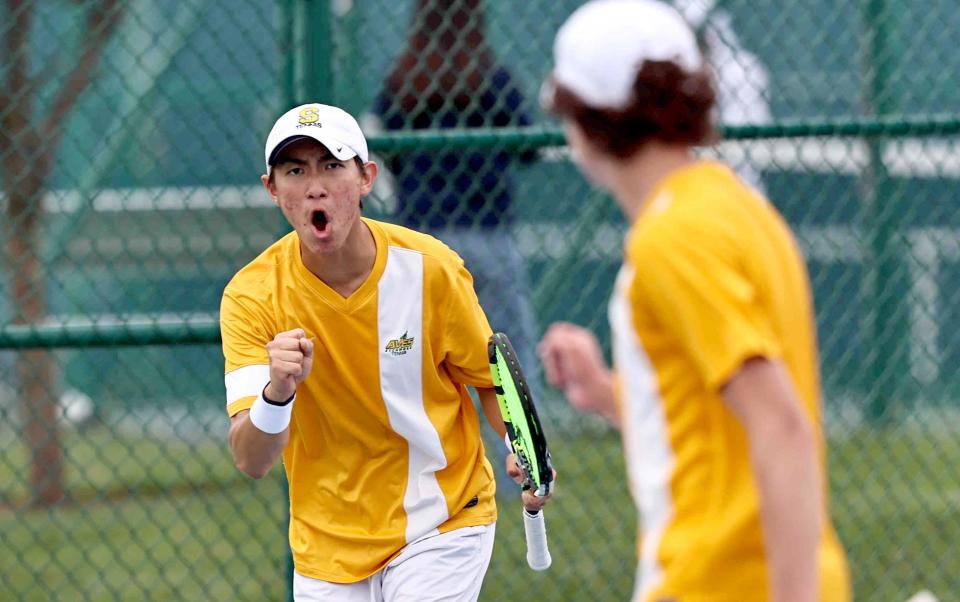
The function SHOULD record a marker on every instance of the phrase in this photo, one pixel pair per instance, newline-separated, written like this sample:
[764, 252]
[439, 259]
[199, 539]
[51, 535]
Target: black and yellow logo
[400, 346]
[309, 115]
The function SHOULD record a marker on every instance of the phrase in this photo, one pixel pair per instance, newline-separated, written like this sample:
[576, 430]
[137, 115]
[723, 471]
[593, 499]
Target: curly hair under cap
[668, 105]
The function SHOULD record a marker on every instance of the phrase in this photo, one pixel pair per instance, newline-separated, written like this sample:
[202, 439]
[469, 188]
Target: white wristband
[506, 441]
[270, 418]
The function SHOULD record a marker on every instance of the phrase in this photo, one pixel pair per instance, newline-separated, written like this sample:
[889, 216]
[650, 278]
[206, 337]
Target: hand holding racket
[526, 439]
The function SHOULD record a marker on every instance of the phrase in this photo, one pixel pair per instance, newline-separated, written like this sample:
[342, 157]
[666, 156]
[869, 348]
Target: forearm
[254, 451]
[606, 400]
[789, 483]
[784, 461]
[491, 409]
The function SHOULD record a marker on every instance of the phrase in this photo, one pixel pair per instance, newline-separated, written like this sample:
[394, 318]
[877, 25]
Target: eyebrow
[288, 159]
[293, 160]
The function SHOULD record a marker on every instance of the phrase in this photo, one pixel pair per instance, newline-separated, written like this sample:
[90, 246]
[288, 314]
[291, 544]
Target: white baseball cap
[330, 126]
[604, 43]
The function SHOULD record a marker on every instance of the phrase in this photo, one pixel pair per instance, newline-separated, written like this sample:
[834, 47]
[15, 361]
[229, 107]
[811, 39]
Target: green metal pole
[288, 54]
[290, 47]
[349, 93]
[887, 278]
[192, 331]
[288, 570]
[313, 29]
[311, 76]
[85, 336]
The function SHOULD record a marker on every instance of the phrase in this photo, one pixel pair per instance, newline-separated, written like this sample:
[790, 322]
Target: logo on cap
[309, 115]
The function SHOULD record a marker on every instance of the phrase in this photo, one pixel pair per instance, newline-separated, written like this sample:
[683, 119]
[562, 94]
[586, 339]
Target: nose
[316, 189]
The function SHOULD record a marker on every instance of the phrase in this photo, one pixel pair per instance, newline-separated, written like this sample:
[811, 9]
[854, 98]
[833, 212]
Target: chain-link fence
[132, 135]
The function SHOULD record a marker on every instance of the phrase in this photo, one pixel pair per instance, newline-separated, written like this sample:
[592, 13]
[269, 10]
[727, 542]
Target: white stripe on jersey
[247, 381]
[400, 317]
[648, 452]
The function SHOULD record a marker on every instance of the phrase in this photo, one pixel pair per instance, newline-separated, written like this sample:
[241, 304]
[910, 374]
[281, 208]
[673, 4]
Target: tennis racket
[527, 440]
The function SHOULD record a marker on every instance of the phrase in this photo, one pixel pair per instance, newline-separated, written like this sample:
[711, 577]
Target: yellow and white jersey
[712, 277]
[384, 439]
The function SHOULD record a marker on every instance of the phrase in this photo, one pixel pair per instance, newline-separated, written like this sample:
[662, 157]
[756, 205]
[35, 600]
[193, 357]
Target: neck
[636, 177]
[345, 269]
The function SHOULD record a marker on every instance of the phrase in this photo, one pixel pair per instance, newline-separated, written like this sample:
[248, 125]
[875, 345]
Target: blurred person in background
[349, 346]
[739, 76]
[715, 386]
[447, 77]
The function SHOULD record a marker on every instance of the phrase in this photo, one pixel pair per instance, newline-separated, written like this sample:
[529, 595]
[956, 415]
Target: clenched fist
[291, 358]
[573, 363]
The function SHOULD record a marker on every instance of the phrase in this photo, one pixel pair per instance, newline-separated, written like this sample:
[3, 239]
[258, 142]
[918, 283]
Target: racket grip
[538, 556]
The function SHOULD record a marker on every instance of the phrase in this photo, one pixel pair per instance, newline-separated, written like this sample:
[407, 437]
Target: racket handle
[538, 556]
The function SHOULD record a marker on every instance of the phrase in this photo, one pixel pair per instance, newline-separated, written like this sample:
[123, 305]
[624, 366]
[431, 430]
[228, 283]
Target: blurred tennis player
[716, 385]
[349, 344]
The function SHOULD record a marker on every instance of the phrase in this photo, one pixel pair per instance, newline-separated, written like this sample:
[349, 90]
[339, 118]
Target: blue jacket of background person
[467, 188]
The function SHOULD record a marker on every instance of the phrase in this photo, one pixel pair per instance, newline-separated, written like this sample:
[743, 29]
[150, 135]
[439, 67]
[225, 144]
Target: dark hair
[668, 105]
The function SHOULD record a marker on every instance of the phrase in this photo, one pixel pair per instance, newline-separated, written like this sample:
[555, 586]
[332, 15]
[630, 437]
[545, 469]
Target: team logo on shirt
[400, 346]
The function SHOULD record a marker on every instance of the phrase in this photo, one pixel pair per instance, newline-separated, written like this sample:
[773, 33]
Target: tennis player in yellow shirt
[349, 344]
[715, 385]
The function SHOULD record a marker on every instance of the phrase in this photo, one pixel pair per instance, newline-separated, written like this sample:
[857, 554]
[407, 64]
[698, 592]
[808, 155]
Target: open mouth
[319, 220]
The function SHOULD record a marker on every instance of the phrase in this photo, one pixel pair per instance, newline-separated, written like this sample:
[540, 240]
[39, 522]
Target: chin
[600, 183]
[325, 247]
[310, 243]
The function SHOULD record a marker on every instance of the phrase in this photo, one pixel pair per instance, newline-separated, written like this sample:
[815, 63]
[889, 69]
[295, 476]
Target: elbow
[791, 435]
[256, 475]
[798, 430]
[251, 469]
[254, 455]
[245, 461]
[249, 464]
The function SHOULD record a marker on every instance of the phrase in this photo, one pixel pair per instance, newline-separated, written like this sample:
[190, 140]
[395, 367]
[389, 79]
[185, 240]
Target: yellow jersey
[384, 439]
[711, 277]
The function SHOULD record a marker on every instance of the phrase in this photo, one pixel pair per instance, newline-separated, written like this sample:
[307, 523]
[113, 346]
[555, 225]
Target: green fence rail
[131, 140]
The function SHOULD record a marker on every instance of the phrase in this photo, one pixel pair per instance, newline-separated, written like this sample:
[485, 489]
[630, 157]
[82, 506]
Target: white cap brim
[337, 148]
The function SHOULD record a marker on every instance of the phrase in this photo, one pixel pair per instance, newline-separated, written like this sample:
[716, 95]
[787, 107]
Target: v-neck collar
[359, 296]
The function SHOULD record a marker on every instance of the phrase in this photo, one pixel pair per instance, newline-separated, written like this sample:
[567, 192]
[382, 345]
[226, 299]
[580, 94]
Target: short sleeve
[696, 286]
[245, 331]
[466, 333]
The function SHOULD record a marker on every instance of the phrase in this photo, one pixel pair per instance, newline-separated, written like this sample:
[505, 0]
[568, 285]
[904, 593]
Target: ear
[368, 177]
[597, 166]
[576, 139]
[583, 152]
[271, 188]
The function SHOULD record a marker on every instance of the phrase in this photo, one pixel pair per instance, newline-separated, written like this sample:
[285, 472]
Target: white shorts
[444, 566]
